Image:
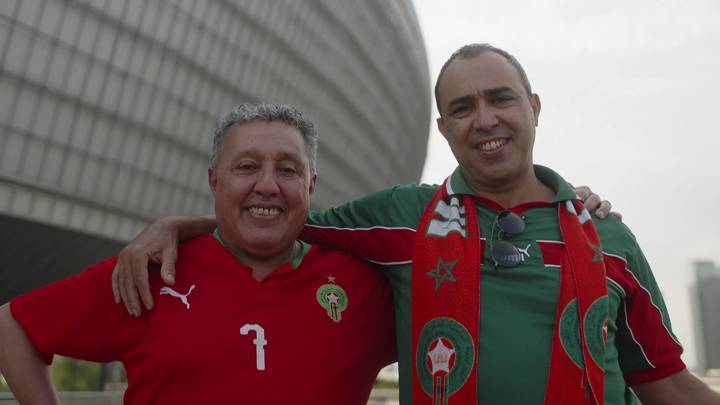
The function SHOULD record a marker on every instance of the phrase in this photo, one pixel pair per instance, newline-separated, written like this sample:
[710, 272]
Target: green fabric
[518, 304]
[304, 248]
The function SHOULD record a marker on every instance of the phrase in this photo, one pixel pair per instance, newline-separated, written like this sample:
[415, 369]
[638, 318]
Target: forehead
[479, 73]
[273, 139]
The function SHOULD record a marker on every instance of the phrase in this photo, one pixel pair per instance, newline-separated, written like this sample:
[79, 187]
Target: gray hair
[473, 50]
[254, 112]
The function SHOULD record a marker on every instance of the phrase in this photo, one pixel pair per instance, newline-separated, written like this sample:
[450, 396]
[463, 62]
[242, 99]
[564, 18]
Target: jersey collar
[456, 184]
[295, 263]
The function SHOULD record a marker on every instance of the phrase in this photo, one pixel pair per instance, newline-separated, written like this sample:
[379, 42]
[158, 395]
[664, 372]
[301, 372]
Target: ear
[441, 126]
[535, 104]
[313, 180]
[212, 180]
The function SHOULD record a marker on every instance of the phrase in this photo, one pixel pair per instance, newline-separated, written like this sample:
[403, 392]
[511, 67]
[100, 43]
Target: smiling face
[262, 186]
[489, 121]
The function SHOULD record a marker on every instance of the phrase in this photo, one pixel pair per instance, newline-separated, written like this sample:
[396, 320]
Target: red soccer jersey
[318, 333]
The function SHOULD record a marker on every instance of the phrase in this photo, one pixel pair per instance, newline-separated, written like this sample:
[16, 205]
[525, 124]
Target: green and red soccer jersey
[518, 304]
[313, 332]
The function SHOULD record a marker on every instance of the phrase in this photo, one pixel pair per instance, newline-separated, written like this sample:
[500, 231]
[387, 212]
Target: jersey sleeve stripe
[337, 228]
[378, 244]
[646, 295]
[632, 335]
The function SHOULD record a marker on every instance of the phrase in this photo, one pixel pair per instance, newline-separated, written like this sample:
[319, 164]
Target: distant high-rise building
[107, 109]
[706, 313]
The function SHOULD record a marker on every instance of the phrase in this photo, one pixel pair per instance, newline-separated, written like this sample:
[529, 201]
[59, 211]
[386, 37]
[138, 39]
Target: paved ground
[378, 396]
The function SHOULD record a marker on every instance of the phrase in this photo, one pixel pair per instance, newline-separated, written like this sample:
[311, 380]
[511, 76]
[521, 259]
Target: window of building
[71, 25]
[29, 12]
[89, 173]
[9, 8]
[80, 137]
[18, 49]
[41, 206]
[86, 41]
[107, 34]
[50, 165]
[99, 136]
[33, 155]
[20, 204]
[95, 83]
[14, 143]
[70, 171]
[39, 59]
[77, 75]
[25, 108]
[60, 63]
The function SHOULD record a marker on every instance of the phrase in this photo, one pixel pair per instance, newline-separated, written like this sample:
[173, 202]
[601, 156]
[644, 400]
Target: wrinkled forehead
[274, 139]
[478, 74]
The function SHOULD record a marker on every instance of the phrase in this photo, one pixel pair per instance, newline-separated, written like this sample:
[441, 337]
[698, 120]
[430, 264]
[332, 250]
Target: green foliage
[386, 384]
[76, 375]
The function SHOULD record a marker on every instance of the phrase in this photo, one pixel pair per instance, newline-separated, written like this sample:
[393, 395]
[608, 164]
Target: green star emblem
[442, 272]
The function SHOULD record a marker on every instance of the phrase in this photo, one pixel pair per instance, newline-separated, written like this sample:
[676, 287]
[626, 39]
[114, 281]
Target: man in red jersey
[255, 315]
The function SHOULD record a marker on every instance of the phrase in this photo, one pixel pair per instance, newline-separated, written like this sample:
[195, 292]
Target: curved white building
[107, 109]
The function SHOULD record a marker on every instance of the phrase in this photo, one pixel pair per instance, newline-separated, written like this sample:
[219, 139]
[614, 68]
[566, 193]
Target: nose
[484, 118]
[266, 184]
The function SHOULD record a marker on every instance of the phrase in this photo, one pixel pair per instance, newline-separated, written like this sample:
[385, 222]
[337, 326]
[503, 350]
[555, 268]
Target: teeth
[492, 145]
[265, 212]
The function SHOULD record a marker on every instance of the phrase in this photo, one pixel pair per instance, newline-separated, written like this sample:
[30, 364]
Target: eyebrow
[459, 100]
[290, 156]
[493, 92]
[281, 156]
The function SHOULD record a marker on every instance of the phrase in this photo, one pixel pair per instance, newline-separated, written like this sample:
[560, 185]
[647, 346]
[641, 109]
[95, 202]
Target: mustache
[500, 131]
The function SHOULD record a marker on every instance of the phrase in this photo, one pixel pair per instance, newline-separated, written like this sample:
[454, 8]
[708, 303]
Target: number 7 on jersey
[259, 342]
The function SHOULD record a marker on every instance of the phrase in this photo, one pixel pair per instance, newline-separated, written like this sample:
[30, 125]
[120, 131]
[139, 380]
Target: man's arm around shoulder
[681, 388]
[24, 370]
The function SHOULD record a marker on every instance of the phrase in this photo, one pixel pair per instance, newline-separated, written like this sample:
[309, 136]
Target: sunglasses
[502, 252]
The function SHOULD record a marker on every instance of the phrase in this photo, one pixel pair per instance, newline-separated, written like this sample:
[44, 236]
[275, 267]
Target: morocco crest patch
[333, 298]
[444, 358]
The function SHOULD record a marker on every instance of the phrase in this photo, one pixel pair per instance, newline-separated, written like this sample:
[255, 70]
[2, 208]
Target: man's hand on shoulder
[157, 244]
[593, 202]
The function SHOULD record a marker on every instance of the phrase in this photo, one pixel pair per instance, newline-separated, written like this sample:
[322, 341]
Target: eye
[460, 110]
[288, 171]
[245, 167]
[503, 99]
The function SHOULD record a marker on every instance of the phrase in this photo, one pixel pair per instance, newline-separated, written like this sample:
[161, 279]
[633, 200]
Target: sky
[630, 96]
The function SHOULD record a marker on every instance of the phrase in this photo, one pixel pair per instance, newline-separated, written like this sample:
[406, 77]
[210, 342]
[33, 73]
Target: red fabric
[458, 300]
[375, 239]
[582, 277]
[179, 355]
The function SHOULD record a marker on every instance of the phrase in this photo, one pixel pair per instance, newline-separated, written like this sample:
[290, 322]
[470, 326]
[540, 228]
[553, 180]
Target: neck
[262, 266]
[525, 188]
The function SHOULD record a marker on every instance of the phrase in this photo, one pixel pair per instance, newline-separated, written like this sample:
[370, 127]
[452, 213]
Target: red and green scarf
[446, 309]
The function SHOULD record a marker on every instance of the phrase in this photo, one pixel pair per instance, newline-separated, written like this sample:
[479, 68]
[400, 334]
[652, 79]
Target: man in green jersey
[505, 292]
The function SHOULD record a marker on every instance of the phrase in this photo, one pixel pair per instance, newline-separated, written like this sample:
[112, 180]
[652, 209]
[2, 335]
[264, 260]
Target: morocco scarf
[447, 254]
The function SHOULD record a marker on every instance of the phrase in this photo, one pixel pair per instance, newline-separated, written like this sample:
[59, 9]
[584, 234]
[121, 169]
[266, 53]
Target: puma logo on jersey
[452, 219]
[173, 293]
[524, 252]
